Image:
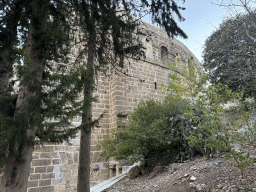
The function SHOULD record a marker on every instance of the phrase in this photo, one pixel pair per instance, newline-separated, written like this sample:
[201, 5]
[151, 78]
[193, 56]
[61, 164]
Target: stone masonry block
[96, 131]
[95, 140]
[63, 156]
[70, 158]
[45, 155]
[34, 176]
[93, 137]
[76, 156]
[47, 189]
[71, 148]
[34, 189]
[106, 106]
[59, 148]
[32, 169]
[56, 161]
[97, 110]
[44, 149]
[101, 105]
[105, 125]
[41, 162]
[96, 115]
[48, 175]
[40, 169]
[103, 131]
[49, 169]
[70, 155]
[94, 148]
[104, 120]
[121, 105]
[45, 182]
[32, 183]
[36, 155]
[55, 155]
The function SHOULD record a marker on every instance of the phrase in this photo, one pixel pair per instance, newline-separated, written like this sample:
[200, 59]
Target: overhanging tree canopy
[108, 27]
[44, 43]
[25, 116]
[230, 54]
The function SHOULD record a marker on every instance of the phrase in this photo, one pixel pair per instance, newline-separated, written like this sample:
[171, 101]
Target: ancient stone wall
[55, 167]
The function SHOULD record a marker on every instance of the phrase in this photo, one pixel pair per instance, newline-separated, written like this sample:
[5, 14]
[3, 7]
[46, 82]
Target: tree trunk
[16, 173]
[83, 184]
[84, 159]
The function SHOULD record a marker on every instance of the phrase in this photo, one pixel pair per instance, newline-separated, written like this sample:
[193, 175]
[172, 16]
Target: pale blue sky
[201, 19]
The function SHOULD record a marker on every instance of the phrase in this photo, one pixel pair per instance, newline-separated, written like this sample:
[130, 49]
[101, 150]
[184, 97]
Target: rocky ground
[199, 174]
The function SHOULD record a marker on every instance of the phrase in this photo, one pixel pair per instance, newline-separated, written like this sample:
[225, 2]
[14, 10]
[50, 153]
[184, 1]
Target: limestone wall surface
[55, 167]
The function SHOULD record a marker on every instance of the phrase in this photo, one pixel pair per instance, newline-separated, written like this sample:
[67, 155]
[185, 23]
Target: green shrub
[155, 129]
[209, 101]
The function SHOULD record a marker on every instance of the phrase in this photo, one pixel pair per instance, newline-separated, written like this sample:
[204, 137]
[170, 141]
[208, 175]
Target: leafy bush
[156, 129]
[210, 101]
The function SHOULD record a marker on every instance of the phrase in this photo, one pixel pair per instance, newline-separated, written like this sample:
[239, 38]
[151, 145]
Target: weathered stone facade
[55, 167]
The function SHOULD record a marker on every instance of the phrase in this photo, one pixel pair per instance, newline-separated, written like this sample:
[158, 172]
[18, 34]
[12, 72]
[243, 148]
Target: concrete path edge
[108, 183]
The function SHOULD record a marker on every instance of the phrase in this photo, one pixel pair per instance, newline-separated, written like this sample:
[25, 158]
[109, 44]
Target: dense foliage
[44, 103]
[48, 95]
[155, 128]
[210, 101]
[230, 54]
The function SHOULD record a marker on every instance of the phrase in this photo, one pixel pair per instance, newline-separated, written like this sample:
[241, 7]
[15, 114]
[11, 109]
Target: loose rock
[134, 172]
[192, 178]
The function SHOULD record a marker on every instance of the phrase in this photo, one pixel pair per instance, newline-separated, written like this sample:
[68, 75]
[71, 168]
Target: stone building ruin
[55, 167]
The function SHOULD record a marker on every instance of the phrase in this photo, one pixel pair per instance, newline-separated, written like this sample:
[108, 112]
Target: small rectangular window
[164, 55]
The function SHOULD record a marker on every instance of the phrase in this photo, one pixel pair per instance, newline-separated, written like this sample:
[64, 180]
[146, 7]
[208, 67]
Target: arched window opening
[164, 55]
